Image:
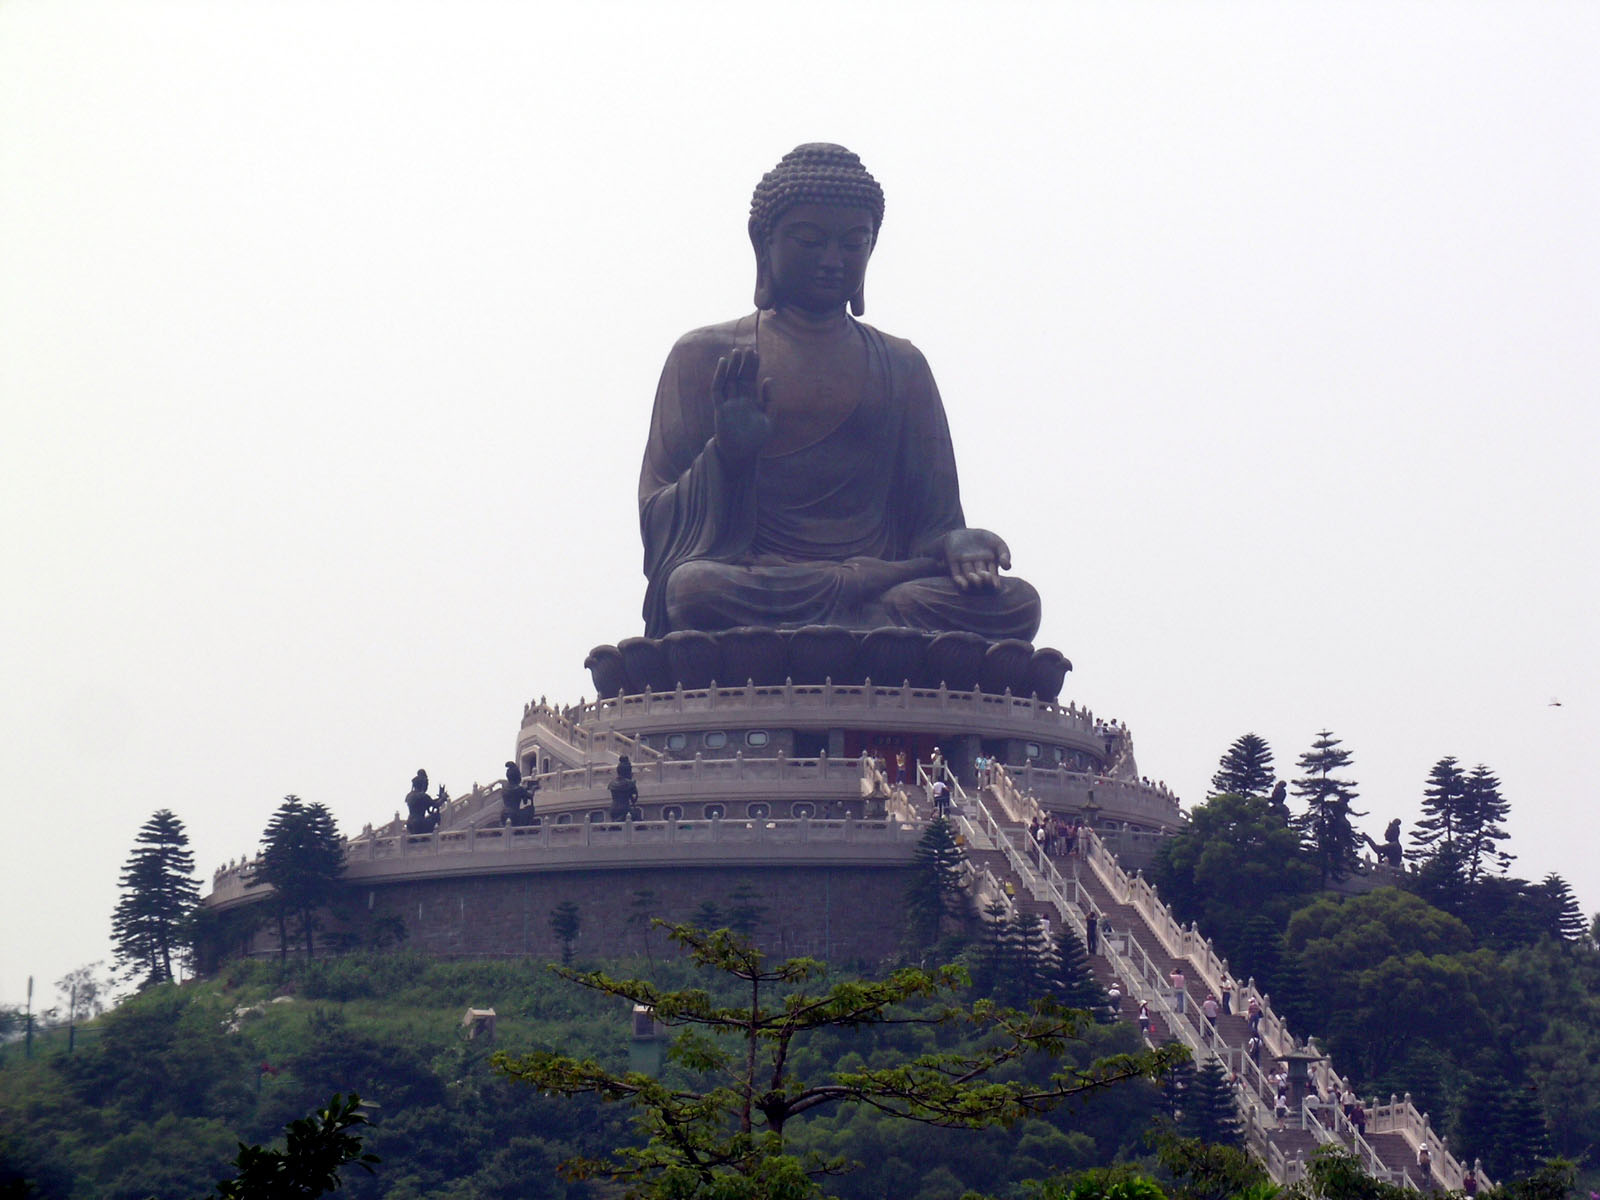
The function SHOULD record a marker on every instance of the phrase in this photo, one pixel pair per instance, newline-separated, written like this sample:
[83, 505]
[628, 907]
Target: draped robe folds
[827, 533]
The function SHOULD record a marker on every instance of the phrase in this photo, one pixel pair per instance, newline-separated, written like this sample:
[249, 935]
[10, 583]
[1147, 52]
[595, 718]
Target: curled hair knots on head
[816, 173]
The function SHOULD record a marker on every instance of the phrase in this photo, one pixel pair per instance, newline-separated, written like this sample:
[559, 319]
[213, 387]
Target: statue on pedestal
[624, 793]
[799, 469]
[422, 813]
[517, 799]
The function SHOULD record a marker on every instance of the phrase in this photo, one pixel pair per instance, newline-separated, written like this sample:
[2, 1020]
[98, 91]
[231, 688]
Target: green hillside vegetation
[155, 1099]
[1475, 991]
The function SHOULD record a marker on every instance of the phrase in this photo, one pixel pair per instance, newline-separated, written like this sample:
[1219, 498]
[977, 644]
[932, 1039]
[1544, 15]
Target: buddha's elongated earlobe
[763, 273]
[858, 302]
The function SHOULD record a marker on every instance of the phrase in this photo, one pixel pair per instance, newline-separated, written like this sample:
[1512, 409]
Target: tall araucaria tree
[1245, 769]
[150, 924]
[1326, 823]
[302, 858]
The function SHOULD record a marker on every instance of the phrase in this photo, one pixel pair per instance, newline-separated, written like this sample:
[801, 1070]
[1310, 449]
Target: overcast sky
[1269, 336]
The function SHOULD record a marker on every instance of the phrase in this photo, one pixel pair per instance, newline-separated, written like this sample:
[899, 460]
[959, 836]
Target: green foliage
[1209, 1113]
[1207, 1171]
[150, 924]
[1335, 1173]
[315, 1149]
[1555, 1180]
[1236, 860]
[1245, 769]
[936, 897]
[717, 1120]
[1071, 978]
[564, 923]
[302, 859]
[1326, 823]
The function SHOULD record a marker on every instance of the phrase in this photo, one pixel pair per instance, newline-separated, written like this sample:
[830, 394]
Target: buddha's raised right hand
[743, 424]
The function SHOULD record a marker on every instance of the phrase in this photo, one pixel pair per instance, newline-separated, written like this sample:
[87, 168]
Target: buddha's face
[817, 256]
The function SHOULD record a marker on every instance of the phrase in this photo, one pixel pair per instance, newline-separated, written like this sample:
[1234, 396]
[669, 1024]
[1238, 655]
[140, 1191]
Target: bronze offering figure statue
[624, 793]
[422, 812]
[799, 469]
[1389, 849]
[517, 798]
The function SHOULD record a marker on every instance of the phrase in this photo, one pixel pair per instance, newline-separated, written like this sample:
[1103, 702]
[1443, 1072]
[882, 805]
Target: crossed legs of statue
[859, 593]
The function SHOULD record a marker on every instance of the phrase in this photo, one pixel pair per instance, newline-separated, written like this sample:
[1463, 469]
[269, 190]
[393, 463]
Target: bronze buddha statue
[799, 470]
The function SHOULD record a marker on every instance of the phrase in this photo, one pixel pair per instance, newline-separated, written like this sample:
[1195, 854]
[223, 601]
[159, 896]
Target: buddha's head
[814, 220]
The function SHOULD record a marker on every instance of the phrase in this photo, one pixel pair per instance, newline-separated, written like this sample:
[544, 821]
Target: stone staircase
[1145, 945]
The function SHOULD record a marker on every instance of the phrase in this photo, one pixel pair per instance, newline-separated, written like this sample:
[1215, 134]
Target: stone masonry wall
[842, 914]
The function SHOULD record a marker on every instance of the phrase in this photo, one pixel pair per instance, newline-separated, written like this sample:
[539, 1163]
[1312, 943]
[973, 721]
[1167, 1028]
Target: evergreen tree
[1485, 810]
[1209, 1112]
[708, 916]
[1326, 823]
[564, 923]
[744, 911]
[302, 859]
[1073, 980]
[1033, 974]
[1436, 835]
[1521, 1143]
[1177, 1083]
[159, 897]
[1245, 769]
[937, 893]
[1563, 917]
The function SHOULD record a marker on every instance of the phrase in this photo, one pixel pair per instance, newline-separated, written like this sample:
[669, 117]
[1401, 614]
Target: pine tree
[1177, 1084]
[744, 910]
[1485, 810]
[1073, 980]
[1437, 831]
[1209, 1111]
[1326, 823]
[302, 859]
[1245, 769]
[159, 897]
[1521, 1141]
[1564, 919]
[1032, 972]
[936, 894]
[564, 923]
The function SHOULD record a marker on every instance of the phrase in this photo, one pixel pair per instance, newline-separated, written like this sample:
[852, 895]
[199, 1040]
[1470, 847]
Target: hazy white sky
[328, 334]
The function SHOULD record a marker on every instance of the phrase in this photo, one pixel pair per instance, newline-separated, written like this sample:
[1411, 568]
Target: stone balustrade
[824, 703]
[602, 845]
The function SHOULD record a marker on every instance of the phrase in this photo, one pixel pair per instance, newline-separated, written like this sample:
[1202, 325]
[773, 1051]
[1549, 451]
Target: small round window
[804, 809]
[757, 737]
[714, 812]
[716, 740]
[672, 812]
[677, 741]
[596, 815]
[759, 811]
[1031, 749]
[563, 818]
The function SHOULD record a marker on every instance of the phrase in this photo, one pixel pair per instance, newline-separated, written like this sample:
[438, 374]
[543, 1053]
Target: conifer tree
[1245, 769]
[936, 895]
[159, 896]
[1436, 832]
[1209, 1112]
[1521, 1142]
[1326, 823]
[302, 858]
[1485, 811]
[1073, 980]
[1031, 971]
[564, 921]
[1564, 919]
